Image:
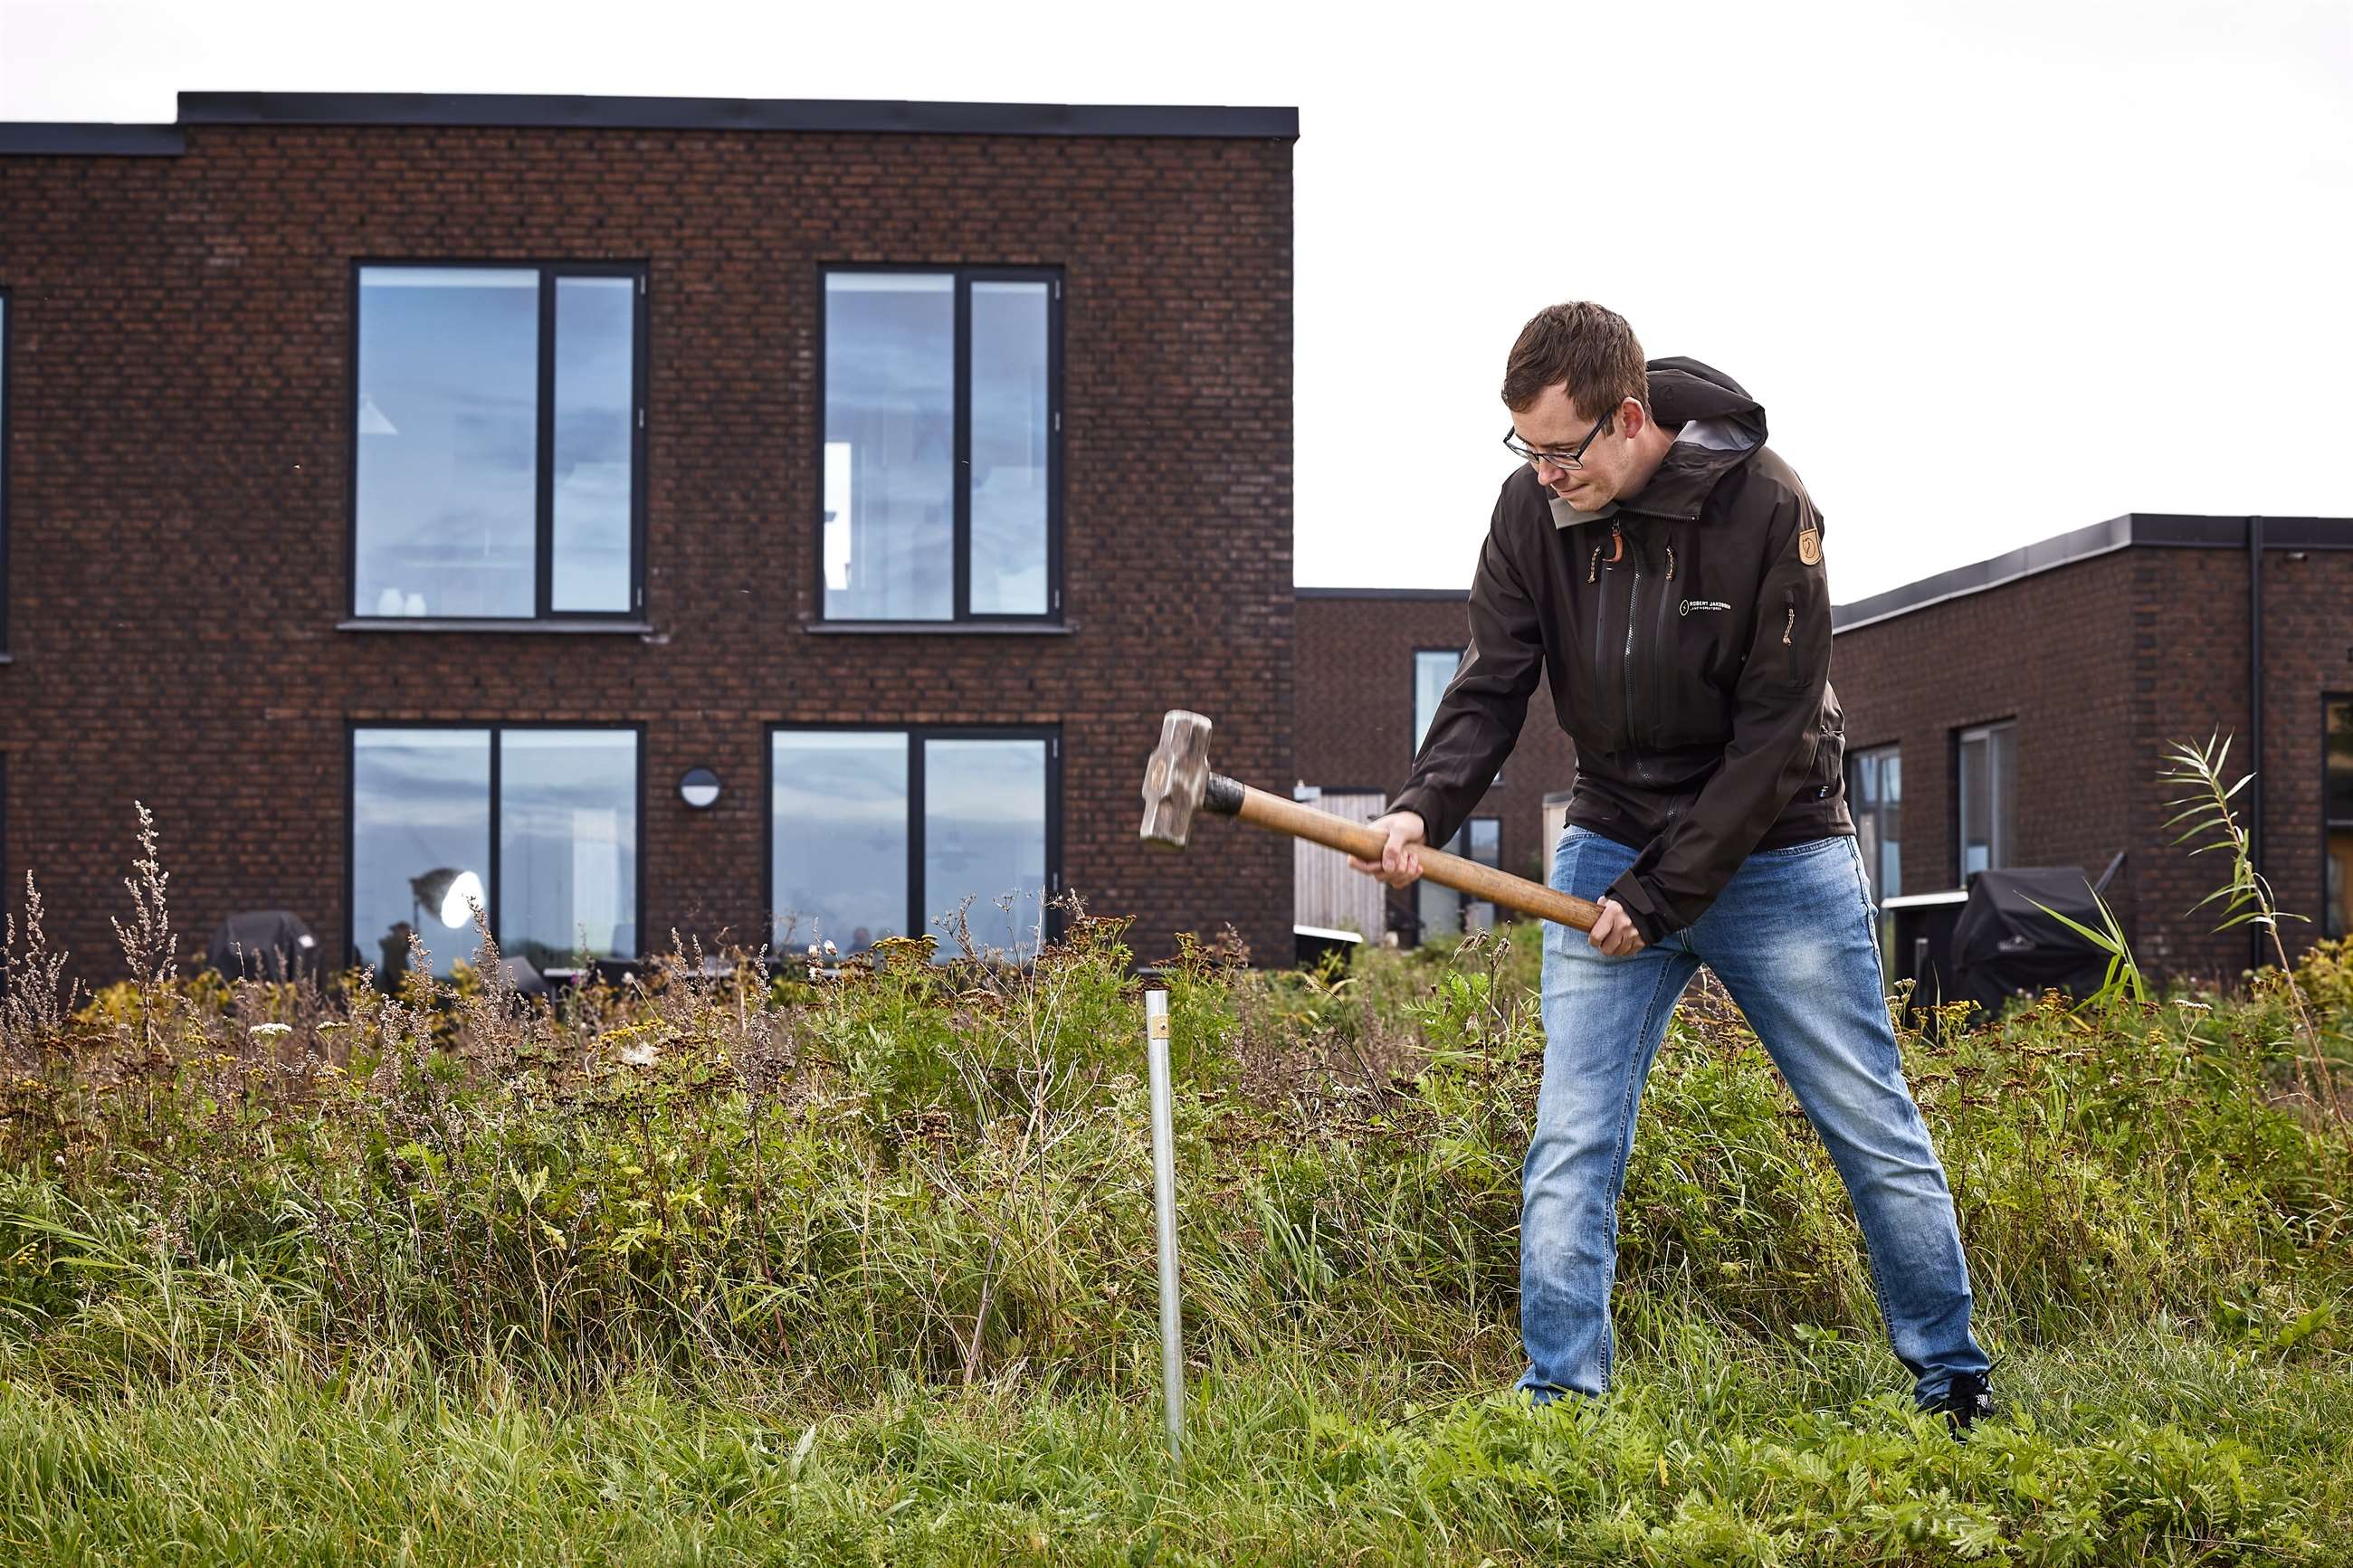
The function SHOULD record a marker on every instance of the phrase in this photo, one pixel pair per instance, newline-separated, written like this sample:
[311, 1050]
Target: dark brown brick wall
[2106, 663]
[180, 433]
[1355, 710]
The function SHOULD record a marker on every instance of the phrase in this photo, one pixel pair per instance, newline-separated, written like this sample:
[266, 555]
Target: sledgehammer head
[1175, 778]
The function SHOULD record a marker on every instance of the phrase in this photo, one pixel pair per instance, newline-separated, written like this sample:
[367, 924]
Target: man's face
[1552, 422]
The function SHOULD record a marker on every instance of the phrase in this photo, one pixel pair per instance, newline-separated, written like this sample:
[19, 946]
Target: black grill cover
[264, 944]
[2004, 946]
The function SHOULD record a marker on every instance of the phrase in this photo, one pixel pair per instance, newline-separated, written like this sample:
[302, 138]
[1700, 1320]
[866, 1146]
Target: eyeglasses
[1572, 459]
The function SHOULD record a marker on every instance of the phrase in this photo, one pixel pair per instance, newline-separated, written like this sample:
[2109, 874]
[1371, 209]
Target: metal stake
[1164, 1204]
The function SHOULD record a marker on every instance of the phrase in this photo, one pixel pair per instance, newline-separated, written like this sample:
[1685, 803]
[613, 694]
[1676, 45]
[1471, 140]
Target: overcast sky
[1995, 270]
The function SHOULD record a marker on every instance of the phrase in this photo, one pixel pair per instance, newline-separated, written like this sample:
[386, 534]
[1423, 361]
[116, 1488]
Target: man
[1662, 567]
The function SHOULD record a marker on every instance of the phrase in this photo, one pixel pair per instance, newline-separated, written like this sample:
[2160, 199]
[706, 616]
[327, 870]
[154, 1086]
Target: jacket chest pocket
[1707, 634]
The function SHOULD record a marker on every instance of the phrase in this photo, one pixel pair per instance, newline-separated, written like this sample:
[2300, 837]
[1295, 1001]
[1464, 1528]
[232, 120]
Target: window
[1434, 668]
[1444, 911]
[1987, 796]
[500, 437]
[1874, 793]
[878, 833]
[942, 446]
[2337, 812]
[538, 824]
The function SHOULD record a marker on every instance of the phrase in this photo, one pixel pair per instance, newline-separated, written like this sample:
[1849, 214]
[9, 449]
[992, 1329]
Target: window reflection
[1442, 912]
[1989, 788]
[449, 444]
[420, 827]
[567, 845]
[1011, 430]
[595, 397]
[889, 400]
[984, 839]
[839, 805]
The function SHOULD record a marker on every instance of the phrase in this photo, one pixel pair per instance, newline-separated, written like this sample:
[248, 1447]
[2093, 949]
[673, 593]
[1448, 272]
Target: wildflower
[812, 950]
[643, 1054]
[270, 1031]
[831, 951]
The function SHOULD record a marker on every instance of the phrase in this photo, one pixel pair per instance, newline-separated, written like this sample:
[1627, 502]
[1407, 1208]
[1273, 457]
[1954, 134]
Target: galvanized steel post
[1164, 1204]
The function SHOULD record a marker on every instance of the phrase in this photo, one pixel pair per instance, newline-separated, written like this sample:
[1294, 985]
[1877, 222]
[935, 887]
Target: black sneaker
[1965, 1400]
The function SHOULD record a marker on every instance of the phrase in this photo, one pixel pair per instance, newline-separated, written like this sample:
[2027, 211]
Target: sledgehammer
[1177, 782]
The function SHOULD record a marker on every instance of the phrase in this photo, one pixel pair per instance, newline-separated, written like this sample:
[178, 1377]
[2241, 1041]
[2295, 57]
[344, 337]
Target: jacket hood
[1721, 427]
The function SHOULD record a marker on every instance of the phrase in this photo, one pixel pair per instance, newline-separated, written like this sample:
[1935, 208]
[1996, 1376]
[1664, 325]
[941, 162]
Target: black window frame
[491, 889]
[960, 596]
[919, 921]
[544, 530]
[2329, 699]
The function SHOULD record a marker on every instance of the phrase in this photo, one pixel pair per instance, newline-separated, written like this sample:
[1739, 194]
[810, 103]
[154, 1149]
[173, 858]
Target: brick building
[1372, 665]
[2021, 709]
[2013, 711]
[640, 514]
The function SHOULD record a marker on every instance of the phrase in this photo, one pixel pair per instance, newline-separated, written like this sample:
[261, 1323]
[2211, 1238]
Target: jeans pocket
[1810, 847]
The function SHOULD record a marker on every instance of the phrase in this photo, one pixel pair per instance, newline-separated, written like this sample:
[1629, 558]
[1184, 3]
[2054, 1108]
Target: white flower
[641, 1056]
[831, 951]
[270, 1031]
[812, 950]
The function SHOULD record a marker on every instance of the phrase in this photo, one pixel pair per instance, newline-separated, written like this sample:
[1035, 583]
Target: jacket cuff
[1653, 921]
[1416, 800]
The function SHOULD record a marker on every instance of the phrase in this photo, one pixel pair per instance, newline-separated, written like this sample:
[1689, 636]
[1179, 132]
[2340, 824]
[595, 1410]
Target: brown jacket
[1691, 670]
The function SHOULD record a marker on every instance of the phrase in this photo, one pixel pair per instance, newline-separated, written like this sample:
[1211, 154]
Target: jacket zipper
[1633, 601]
[1658, 646]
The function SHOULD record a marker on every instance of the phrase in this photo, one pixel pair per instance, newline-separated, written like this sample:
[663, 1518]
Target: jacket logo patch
[1688, 606]
[1809, 547]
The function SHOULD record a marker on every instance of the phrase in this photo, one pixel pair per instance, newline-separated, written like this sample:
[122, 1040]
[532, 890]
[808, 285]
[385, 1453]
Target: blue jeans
[1792, 939]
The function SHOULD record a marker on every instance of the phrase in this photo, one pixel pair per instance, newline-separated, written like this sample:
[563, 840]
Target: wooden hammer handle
[1365, 843]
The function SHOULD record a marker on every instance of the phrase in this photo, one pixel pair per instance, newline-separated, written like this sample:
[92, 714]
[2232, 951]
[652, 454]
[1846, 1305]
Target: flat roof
[873, 116]
[2159, 530]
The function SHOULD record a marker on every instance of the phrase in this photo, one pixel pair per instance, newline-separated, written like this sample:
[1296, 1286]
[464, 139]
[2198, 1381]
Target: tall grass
[822, 1264]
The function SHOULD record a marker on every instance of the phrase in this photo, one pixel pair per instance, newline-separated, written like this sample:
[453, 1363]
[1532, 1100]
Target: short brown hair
[1588, 346]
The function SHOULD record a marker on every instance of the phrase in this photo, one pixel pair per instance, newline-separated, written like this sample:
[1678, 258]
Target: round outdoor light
[699, 788]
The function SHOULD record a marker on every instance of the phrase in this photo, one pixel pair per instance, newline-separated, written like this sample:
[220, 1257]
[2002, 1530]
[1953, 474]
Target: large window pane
[595, 401]
[449, 444]
[567, 844]
[420, 842]
[1486, 847]
[839, 801]
[1989, 774]
[985, 837]
[1011, 415]
[1432, 671]
[890, 404]
[1875, 800]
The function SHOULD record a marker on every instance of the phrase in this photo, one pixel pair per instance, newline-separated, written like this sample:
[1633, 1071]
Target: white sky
[1996, 270]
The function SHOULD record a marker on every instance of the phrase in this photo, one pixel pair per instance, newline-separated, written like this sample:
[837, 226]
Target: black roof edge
[2164, 530]
[1459, 595]
[32, 138]
[517, 110]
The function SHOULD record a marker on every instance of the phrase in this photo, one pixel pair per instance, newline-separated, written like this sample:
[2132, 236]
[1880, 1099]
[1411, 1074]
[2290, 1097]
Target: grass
[781, 1267]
